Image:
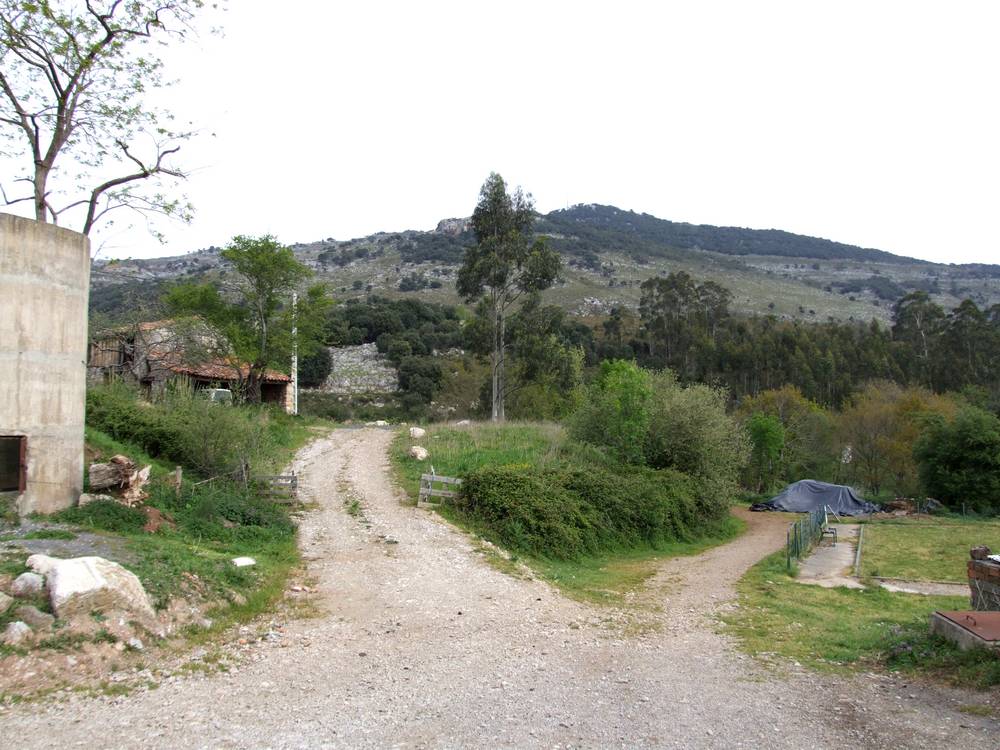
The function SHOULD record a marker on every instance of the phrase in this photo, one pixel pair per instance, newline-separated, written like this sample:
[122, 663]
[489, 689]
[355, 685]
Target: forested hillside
[585, 228]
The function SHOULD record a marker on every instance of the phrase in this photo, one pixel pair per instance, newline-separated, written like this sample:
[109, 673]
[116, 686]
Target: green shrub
[315, 368]
[183, 428]
[106, 515]
[615, 412]
[645, 418]
[571, 511]
[690, 432]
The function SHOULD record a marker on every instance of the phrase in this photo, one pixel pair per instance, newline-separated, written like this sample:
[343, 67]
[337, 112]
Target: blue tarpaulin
[808, 494]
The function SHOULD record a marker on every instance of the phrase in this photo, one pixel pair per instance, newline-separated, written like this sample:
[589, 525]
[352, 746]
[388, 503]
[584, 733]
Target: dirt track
[423, 644]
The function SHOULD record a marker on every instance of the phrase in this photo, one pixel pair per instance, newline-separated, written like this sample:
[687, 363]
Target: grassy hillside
[607, 253]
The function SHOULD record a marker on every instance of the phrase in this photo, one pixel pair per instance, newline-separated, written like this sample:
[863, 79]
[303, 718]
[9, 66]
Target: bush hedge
[573, 511]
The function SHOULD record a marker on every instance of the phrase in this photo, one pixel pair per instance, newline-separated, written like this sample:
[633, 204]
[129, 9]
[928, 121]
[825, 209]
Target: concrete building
[44, 283]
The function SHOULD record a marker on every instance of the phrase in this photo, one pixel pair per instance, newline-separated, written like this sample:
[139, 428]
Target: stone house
[153, 354]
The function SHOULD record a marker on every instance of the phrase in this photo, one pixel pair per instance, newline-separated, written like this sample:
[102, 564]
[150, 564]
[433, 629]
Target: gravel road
[422, 644]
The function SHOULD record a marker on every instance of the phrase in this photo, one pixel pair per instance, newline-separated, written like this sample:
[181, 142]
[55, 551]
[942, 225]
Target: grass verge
[925, 549]
[603, 578]
[844, 629]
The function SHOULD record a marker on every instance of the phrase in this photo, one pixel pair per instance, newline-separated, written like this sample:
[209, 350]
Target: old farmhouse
[154, 354]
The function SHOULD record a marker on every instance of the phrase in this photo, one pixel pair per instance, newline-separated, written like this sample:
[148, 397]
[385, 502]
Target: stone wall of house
[359, 370]
[984, 585]
[44, 283]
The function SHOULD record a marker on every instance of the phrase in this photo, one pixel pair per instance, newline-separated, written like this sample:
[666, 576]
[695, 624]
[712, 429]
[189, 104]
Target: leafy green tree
[880, 426]
[767, 440]
[315, 368]
[251, 318]
[505, 263]
[72, 80]
[615, 413]
[807, 449]
[959, 459]
[691, 431]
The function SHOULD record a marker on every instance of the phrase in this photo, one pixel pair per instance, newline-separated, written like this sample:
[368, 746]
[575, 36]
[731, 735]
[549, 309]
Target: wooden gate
[280, 488]
[428, 491]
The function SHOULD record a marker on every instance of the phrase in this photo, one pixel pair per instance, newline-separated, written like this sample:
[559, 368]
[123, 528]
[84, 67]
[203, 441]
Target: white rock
[5, 602]
[381, 423]
[417, 432]
[27, 584]
[87, 498]
[419, 453]
[16, 632]
[463, 423]
[135, 643]
[244, 562]
[81, 585]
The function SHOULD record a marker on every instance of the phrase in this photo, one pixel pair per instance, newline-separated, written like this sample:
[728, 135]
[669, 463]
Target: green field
[844, 629]
[919, 549]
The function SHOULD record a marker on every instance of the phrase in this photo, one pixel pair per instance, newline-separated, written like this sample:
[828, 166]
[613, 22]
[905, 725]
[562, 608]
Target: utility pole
[295, 354]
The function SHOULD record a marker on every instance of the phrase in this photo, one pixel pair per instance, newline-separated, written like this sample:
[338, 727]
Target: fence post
[178, 477]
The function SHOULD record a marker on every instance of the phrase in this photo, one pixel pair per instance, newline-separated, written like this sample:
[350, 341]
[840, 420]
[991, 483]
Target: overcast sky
[872, 123]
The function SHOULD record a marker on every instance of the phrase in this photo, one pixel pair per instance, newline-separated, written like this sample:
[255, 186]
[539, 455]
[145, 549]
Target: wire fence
[803, 534]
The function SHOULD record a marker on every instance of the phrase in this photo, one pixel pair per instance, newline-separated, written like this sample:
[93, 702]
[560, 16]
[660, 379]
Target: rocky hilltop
[608, 252]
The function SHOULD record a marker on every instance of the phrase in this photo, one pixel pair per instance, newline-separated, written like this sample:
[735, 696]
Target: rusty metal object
[986, 625]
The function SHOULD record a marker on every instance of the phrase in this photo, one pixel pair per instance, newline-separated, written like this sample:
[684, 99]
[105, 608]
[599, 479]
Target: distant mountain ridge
[608, 252]
[725, 240]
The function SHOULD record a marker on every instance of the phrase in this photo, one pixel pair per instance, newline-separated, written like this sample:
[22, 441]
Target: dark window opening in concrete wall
[13, 452]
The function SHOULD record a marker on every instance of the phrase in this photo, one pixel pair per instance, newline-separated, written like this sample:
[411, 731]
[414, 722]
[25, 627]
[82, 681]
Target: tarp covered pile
[808, 494]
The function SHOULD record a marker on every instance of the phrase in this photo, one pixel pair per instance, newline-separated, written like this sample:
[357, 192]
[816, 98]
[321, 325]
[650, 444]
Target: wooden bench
[280, 488]
[428, 491]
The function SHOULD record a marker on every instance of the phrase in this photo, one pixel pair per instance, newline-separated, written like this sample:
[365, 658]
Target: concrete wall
[984, 585]
[44, 282]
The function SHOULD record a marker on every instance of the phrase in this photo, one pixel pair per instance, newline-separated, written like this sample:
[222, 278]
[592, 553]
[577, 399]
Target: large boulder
[417, 432]
[81, 585]
[419, 453]
[5, 602]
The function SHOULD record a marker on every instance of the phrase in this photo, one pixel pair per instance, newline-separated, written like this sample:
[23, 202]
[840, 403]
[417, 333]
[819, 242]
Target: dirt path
[422, 644]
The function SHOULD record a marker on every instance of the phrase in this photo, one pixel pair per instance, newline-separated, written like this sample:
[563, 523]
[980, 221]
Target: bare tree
[73, 76]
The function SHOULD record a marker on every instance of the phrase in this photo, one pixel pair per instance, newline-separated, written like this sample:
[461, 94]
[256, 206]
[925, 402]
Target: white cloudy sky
[873, 123]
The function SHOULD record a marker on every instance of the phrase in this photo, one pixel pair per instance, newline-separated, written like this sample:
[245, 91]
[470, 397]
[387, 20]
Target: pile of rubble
[907, 506]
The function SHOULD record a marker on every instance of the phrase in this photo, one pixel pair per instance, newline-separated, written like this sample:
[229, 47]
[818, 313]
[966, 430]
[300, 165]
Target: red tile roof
[220, 370]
